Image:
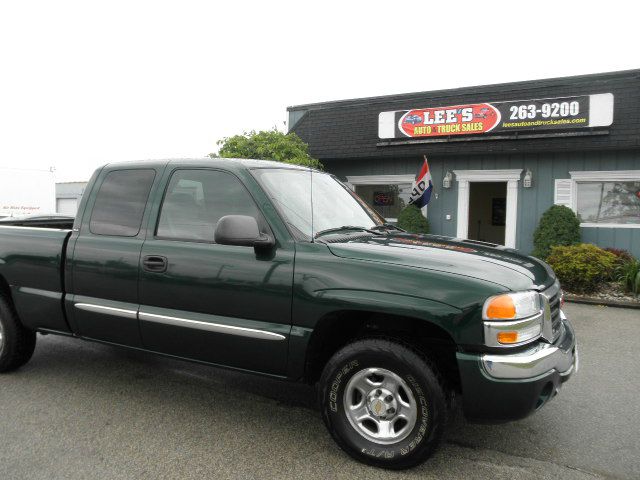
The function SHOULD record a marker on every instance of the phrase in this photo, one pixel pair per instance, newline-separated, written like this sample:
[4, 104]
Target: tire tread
[19, 342]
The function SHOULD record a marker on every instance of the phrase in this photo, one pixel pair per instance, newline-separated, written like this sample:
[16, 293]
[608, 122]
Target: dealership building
[499, 155]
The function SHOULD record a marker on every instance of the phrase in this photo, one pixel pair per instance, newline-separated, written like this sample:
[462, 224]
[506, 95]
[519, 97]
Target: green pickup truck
[283, 271]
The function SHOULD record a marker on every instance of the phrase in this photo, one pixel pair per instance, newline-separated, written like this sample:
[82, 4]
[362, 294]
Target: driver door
[221, 304]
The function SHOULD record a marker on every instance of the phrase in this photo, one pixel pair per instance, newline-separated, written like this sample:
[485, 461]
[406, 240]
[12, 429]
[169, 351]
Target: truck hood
[492, 263]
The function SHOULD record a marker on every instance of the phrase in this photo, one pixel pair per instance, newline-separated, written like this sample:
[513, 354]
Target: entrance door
[487, 211]
[222, 304]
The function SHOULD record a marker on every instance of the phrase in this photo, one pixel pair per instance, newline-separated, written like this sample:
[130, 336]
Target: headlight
[512, 306]
[512, 319]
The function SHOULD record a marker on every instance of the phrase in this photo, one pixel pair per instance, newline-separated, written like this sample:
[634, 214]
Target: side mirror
[241, 230]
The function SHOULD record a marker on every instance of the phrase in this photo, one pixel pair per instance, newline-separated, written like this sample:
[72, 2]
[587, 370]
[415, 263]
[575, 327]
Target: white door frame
[353, 180]
[512, 177]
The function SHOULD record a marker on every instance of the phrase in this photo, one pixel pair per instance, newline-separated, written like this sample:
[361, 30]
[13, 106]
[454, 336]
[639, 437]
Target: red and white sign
[457, 120]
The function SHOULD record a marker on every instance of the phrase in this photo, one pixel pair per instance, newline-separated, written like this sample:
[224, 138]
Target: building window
[609, 202]
[609, 198]
[386, 194]
[388, 200]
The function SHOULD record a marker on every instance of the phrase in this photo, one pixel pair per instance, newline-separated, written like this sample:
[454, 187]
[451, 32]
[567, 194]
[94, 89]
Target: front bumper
[509, 386]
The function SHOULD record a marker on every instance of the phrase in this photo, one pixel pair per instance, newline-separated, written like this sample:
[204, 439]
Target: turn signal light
[501, 308]
[508, 337]
[512, 306]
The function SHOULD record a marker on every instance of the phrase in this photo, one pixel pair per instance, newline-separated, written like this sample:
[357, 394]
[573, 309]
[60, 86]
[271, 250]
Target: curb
[602, 302]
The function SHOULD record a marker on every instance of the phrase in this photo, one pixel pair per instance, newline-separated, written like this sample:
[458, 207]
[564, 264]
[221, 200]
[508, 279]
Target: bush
[629, 275]
[558, 226]
[412, 220]
[622, 256]
[581, 268]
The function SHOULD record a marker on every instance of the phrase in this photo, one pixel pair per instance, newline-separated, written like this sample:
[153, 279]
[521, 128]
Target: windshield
[334, 205]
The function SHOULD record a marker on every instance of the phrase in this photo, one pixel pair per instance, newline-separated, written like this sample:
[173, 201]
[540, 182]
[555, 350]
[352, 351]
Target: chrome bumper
[540, 359]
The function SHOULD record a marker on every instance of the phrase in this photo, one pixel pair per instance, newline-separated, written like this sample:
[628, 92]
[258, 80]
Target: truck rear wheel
[16, 342]
[383, 403]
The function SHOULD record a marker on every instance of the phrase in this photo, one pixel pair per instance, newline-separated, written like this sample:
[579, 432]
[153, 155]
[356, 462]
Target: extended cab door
[228, 305]
[102, 287]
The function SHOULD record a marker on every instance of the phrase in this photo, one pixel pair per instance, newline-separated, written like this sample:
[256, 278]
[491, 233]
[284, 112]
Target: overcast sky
[85, 83]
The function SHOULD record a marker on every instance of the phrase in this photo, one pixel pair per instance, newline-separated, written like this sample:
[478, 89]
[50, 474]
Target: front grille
[553, 295]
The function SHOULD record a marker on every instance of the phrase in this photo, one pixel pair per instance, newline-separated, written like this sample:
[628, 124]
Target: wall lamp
[528, 179]
[446, 180]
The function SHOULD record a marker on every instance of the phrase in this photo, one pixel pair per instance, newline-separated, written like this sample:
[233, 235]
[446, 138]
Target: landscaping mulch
[610, 294]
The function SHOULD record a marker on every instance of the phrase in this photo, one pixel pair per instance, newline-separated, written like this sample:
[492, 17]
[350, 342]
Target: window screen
[120, 203]
[196, 199]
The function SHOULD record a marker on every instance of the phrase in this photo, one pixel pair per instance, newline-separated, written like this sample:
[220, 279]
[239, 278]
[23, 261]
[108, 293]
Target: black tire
[420, 377]
[17, 343]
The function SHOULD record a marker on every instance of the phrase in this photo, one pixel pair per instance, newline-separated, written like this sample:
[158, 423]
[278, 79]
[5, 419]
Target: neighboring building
[68, 195]
[25, 191]
[500, 155]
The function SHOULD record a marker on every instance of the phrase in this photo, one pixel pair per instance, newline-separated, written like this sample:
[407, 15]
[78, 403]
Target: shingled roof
[349, 128]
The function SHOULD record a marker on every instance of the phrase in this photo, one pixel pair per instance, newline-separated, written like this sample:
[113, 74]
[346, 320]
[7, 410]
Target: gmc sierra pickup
[283, 271]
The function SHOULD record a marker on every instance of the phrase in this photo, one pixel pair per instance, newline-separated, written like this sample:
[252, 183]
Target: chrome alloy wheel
[1, 338]
[380, 406]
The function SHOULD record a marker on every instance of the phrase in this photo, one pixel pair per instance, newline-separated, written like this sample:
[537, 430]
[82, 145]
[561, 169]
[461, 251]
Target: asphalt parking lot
[84, 410]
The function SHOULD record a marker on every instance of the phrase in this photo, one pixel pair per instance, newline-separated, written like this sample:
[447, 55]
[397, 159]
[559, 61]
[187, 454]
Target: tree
[267, 145]
[558, 226]
[412, 220]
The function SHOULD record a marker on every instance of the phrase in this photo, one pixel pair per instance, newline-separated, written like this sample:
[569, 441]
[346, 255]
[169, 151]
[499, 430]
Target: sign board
[582, 111]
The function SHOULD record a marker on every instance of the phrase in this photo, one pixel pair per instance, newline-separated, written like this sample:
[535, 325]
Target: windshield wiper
[344, 227]
[387, 226]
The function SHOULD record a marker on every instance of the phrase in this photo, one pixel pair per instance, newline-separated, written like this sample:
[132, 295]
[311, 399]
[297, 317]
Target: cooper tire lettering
[427, 396]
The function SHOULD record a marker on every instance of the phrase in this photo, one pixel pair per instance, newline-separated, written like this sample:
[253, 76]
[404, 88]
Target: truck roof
[229, 163]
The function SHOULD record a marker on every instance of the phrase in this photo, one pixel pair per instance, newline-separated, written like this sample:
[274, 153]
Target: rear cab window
[120, 202]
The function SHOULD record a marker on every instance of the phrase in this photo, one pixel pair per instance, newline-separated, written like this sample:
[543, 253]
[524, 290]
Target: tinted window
[120, 203]
[196, 199]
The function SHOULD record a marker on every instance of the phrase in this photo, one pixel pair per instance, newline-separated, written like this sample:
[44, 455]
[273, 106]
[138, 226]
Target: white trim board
[488, 175]
[605, 175]
[379, 179]
[512, 177]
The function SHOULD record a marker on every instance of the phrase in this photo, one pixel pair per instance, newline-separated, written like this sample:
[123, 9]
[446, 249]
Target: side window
[196, 199]
[120, 203]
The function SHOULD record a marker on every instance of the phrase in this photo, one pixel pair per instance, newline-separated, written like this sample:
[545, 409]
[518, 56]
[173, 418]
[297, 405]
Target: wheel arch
[5, 289]
[339, 328]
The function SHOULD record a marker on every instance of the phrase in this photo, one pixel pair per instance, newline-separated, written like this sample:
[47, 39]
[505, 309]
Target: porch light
[446, 181]
[528, 179]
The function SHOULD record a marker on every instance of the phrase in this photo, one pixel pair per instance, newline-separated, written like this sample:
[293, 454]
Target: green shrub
[581, 268]
[558, 226]
[629, 275]
[412, 220]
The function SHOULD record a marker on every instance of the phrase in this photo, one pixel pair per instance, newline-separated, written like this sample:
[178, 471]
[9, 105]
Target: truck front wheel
[383, 403]
[16, 342]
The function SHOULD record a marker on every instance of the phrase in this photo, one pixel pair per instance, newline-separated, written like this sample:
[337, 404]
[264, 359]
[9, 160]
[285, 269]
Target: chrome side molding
[181, 322]
[118, 312]
[210, 327]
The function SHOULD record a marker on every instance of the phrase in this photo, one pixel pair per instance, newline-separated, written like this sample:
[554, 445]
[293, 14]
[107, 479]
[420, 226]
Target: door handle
[155, 263]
